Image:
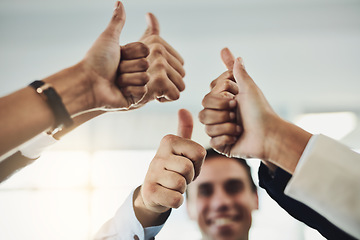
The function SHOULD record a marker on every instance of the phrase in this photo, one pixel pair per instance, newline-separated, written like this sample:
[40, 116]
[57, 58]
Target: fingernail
[232, 103]
[241, 61]
[232, 115]
[117, 4]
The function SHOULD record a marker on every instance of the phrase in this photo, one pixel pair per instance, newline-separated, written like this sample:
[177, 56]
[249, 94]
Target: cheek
[201, 210]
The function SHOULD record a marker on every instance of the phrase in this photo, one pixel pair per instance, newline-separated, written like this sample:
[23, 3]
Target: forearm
[78, 120]
[286, 145]
[12, 164]
[26, 114]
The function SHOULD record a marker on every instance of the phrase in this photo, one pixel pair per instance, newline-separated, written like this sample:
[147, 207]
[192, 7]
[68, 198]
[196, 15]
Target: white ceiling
[304, 55]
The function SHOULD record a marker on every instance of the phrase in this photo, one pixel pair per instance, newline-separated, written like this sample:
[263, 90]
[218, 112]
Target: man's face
[221, 200]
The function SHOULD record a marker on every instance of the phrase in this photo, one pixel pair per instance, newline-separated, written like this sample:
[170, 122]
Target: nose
[220, 200]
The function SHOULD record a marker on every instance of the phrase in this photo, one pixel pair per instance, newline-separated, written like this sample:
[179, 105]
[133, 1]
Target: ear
[191, 204]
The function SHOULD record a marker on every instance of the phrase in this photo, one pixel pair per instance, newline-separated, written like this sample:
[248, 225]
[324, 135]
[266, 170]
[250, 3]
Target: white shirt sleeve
[34, 147]
[124, 225]
[327, 179]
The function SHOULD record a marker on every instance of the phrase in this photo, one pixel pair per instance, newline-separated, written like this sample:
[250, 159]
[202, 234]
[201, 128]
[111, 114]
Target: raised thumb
[185, 125]
[153, 26]
[241, 76]
[228, 58]
[117, 21]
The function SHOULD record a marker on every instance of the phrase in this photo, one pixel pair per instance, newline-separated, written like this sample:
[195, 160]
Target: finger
[133, 79]
[221, 142]
[132, 66]
[158, 50]
[163, 87]
[181, 165]
[227, 128]
[134, 93]
[172, 181]
[213, 101]
[225, 85]
[227, 58]
[172, 51]
[160, 64]
[166, 197]
[209, 116]
[159, 41]
[175, 78]
[153, 26]
[226, 75]
[185, 125]
[134, 50]
[117, 21]
[187, 148]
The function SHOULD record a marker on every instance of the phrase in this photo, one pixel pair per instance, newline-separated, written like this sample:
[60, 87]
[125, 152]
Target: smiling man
[222, 198]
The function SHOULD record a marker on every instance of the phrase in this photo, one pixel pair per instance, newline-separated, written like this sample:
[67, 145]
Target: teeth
[222, 221]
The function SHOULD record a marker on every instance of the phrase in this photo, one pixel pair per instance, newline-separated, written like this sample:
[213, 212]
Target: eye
[205, 190]
[234, 186]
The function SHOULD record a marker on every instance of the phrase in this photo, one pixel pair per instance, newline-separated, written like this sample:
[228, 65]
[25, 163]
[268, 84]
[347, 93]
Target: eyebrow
[205, 184]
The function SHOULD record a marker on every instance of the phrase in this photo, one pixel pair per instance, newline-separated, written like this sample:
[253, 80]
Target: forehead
[219, 169]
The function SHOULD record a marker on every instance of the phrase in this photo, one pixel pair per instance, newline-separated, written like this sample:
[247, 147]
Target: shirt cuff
[124, 225]
[34, 147]
[327, 180]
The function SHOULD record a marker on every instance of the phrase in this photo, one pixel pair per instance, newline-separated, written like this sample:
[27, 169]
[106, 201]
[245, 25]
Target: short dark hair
[211, 153]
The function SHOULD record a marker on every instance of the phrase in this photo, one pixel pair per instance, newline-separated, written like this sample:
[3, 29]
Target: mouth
[223, 221]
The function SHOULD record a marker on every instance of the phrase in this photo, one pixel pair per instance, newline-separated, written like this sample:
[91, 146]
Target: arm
[124, 225]
[176, 163]
[275, 182]
[164, 64]
[265, 135]
[132, 55]
[262, 133]
[89, 84]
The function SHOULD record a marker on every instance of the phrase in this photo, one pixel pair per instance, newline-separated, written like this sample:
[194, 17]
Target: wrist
[146, 217]
[287, 144]
[74, 85]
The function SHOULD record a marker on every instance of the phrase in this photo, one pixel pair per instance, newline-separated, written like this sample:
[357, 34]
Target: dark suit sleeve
[275, 185]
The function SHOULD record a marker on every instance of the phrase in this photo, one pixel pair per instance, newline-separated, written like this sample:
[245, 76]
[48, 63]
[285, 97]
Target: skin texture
[87, 85]
[256, 131]
[221, 200]
[176, 163]
[109, 78]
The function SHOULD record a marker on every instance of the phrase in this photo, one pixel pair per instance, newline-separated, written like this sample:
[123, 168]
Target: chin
[226, 233]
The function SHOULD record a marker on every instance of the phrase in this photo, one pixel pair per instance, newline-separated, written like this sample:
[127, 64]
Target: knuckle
[208, 129]
[205, 100]
[144, 77]
[143, 64]
[158, 48]
[159, 81]
[169, 139]
[180, 184]
[226, 84]
[202, 116]
[188, 168]
[176, 201]
[175, 95]
[160, 63]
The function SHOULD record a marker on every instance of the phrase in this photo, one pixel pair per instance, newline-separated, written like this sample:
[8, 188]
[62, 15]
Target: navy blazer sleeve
[275, 185]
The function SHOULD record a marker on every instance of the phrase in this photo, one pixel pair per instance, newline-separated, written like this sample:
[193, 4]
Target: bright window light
[335, 125]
